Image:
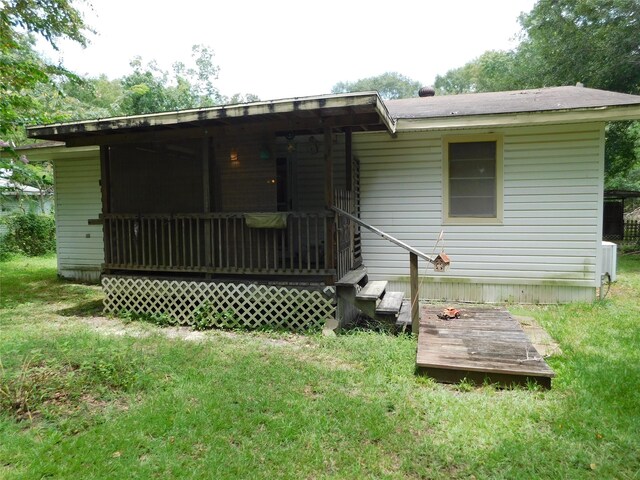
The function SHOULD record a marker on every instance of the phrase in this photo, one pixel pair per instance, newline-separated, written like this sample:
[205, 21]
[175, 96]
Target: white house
[511, 181]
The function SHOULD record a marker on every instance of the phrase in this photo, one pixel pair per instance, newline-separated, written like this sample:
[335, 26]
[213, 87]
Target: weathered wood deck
[485, 343]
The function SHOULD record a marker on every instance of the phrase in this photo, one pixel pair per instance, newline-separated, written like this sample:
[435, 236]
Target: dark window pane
[472, 179]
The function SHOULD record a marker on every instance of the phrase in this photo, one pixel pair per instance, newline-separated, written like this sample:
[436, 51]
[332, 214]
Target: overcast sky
[278, 49]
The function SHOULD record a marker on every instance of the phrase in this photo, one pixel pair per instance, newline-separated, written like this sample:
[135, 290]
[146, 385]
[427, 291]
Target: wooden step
[352, 277]
[391, 303]
[403, 322]
[372, 290]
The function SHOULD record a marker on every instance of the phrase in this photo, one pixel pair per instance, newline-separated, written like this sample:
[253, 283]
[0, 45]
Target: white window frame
[457, 220]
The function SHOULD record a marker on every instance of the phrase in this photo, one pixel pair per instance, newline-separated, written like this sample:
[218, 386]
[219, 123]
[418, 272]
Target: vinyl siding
[545, 250]
[78, 199]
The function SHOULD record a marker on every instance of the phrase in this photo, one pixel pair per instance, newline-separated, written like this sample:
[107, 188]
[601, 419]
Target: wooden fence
[217, 243]
[630, 234]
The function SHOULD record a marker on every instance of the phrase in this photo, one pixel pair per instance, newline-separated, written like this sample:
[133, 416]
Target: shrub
[5, 249]
[206, 317]
[30, 234]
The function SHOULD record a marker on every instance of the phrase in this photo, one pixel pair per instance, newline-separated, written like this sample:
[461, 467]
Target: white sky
[285, 48]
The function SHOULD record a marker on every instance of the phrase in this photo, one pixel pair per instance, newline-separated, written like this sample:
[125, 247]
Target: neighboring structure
[618, 226]
[513, 179]
[22, 198]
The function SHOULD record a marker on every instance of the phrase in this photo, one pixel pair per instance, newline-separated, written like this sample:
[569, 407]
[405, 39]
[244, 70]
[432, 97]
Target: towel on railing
[266, 220]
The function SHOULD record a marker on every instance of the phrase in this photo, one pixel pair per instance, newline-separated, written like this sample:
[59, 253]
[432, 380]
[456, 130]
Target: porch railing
[348, 249]
[218, 243]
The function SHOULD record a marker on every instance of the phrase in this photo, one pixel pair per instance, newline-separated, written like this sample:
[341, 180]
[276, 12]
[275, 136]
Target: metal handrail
[384, 235]
[413, 264]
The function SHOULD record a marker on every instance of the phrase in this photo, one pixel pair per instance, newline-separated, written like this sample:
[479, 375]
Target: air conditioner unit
[609, 259]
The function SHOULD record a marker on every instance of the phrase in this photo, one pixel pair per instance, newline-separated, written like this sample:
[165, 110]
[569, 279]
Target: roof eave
[48, 153]
[582, 115]
[221, 113]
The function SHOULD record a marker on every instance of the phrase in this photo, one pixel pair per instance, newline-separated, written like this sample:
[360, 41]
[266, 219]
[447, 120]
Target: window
[473, 179]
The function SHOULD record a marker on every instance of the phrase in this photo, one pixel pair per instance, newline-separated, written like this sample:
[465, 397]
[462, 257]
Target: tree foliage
[21, 68]
[492, 71]
[51, 19]
[389, 85]
[27, 80]
[148, 88]
[595, 42]
[151, 89]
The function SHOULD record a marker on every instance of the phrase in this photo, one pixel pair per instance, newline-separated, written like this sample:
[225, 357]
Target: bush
[29, 233]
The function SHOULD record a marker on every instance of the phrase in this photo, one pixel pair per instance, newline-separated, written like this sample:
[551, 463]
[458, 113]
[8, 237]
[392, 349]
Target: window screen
[472, 179]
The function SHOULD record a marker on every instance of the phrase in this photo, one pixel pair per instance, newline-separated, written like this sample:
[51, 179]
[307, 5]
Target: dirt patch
[541, 340]
[118, 328]
[306, 349]
[115, 327]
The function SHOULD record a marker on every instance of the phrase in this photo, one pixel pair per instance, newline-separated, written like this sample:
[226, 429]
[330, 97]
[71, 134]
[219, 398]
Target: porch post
[206, 196]
[348, 149]
[415, 303]
[105, 188]
[328, 200]
[351, 195]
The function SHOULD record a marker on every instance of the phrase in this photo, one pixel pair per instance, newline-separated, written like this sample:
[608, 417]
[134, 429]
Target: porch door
[286, 185]
[349, 251]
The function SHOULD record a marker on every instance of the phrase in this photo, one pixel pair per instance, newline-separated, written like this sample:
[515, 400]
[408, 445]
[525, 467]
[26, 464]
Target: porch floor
[484, 343]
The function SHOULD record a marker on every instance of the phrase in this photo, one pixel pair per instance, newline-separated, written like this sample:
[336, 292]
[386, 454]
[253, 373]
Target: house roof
[361, 111]
[365, 111]
[538, 100]
[543, 105]
[9, 188]
[621, 194]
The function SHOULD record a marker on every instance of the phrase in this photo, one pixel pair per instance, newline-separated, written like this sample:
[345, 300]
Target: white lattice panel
[252, 305]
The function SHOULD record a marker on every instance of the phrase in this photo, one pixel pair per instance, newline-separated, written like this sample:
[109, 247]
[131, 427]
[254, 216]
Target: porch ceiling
[358, 111]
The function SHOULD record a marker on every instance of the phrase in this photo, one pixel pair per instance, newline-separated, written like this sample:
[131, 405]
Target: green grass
[81, 401]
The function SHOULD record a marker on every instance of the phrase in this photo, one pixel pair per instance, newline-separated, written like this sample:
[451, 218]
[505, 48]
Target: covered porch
[240, 195]
[230, 191]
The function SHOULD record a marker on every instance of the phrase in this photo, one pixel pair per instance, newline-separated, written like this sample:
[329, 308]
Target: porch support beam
[415, 303]
[348, 149]
[105, 188]
[206, 195]
[328, 199]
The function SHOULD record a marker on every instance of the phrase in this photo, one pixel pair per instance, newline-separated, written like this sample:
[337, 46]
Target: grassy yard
[86, 397]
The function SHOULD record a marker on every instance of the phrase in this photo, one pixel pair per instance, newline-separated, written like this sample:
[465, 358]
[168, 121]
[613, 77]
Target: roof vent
[426, 92]
[580, 84]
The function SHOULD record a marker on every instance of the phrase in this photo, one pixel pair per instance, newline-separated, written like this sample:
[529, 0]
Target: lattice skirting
[244, 305]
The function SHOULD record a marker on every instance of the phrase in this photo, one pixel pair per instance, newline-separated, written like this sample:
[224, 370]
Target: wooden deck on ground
[485, 343]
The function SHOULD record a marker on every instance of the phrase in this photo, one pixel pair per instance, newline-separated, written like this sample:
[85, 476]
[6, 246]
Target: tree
[389, 85]
[150, 89]
[21, 69]
[492, 71]
[596, 42]
[23, 72]
[22, 174]
[92, 98]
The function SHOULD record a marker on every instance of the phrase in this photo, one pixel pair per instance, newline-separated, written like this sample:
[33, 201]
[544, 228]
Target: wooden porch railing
[217, 243]
[348, 249]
